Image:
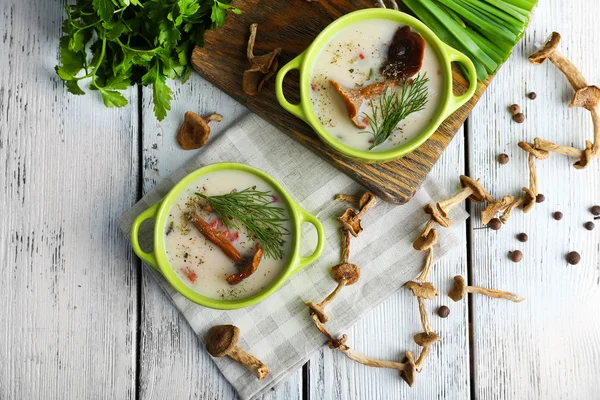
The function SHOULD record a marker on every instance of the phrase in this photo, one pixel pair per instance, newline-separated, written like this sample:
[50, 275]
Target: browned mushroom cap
[250, 267]
[545, 52]
[494, 208]
[425, 340]
[194, 130]
[437, 216]
[425, 242]
[262, 68]
[459, 289]
[587, 97]
[408, 373]
[479, 193]
[586, 156]
[353, 100]
[539, 154]
[425, 290]
[222, 339]
[350, 221]
[529, 200]
[347, 271]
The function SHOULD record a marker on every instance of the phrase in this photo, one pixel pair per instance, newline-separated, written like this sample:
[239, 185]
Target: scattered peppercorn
[573, 258]
[589, 225]
[522, 237]
[557, 215]
[443, 311]
[595, 210]
[495, 224]
[532, 96]
[540, 198]
[515, 256]
[519, 118]
[514, 109]
[503, 158]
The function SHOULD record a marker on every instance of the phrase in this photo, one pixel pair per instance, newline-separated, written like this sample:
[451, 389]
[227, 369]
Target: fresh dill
[255, 211]
[392, 107]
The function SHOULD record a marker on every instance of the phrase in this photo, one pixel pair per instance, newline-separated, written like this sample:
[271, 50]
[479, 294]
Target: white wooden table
[80, 318]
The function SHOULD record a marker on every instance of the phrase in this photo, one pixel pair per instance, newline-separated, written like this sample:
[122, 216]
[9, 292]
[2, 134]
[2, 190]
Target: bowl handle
[307, 217]
[457, 101]
[149, 213]
[295, 109]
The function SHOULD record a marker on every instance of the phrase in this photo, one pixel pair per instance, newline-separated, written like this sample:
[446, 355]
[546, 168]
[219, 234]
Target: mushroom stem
[447, 205]
[569, 69]
[215, 236]
[371, 362]
[498, 294]
[596, 121]
[428, 263]
[347, 198]
[533, 182]
[422, 357]
[424, 315]
[254, 365]
[547, 145]
[333, 294]
[346, 246]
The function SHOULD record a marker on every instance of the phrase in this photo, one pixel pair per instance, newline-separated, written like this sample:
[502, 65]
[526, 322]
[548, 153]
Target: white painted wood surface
[72, 292]
[547, 347]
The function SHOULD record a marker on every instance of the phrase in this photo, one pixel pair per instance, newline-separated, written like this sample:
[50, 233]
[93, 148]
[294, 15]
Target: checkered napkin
[278, 330]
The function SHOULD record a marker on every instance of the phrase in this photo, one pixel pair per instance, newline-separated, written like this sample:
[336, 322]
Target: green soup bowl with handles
[305, 63]
[159, 259]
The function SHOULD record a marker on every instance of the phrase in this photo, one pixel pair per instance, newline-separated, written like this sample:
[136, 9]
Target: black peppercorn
[589, 225]
[522, 237]
[515, 256]
[557, 215]
[519, 118]
[532, 96]
[443, 311]
[595, 210]
[514, 109]
[503, 158]
[540, 198]
[573, 258]
[495, 224]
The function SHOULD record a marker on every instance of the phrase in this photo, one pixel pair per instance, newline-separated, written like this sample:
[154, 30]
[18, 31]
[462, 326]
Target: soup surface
[201, 264]
[353, 58]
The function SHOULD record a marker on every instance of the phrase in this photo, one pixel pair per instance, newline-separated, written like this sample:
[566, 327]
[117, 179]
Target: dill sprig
[255, 211]
[394, 106]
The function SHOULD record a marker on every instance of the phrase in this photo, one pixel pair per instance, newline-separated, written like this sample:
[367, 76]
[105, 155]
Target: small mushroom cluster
[262, 68]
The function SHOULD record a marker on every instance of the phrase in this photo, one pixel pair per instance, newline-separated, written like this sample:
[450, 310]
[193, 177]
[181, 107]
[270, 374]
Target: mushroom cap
[221, 339]
[437, 216]
[493, 208]
[318, 310]
[479, 193]
[529, 200]
[353, 99]
[546, 51]
[425, 242]
[347, 271]
[539, 154]
[350, 221]
[193, 132]
[459, 289]
[409, 372]
[425, 290]
[587, 97]
[586, 156]
[424, 340]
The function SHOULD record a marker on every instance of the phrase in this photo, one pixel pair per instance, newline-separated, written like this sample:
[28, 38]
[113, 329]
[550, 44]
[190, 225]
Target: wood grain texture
[292, 25]
[547, 347]
[387, 331]
[69, 308]
[173, 363]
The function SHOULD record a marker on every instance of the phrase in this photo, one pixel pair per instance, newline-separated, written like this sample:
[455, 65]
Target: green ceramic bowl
[305, 62]
[158, 258]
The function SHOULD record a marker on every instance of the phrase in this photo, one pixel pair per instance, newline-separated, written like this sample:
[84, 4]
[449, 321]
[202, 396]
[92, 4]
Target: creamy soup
[201, 264]
[354, 58]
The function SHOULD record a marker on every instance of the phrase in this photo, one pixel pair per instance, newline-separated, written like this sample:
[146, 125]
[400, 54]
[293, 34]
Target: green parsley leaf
[104, 8]
[113, 98]
[73, 87]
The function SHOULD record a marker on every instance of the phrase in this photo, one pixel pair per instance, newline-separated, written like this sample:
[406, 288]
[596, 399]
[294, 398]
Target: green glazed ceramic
[158, 258]
[305, 62]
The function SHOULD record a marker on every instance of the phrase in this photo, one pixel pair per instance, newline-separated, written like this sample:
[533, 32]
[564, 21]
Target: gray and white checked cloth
[278, 330]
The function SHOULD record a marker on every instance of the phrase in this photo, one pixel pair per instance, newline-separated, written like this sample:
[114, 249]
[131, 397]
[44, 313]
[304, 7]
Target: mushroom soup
[355, 64]
[199, 261]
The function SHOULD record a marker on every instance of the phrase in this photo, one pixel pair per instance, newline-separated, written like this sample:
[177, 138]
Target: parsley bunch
[117, 43]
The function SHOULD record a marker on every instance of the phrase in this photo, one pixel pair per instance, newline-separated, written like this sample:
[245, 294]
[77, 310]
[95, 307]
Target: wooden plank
[69, 169]
[292, 26]
[387, 331]
[173, 363]
[548, 346]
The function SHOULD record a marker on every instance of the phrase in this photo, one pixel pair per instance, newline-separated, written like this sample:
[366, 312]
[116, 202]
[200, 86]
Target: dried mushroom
[460, 288]
[425, 290]
[250, 266]
[355, 98]
[262, 68]
[494, 208]
[222, 341]
[425, 340]
[351, 219]
[426, 242]
[194, 130]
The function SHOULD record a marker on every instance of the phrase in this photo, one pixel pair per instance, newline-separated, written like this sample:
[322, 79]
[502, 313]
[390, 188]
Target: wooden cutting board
[292, 25]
